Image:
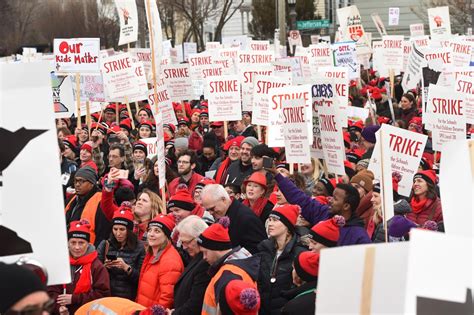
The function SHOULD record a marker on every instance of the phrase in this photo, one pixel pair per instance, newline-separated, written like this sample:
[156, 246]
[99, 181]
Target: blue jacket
[314, 212]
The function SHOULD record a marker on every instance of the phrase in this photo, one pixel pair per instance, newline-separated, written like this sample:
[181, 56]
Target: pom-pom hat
[327, 232]
[307, 266]
[287, 214]
[216, 237]
[181, 199]
[164, 222]
[124, 216]
[239, 297]
[80, 229]
[428, 175]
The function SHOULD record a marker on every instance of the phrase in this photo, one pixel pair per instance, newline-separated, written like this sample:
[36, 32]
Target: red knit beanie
[216, 237]
[428, 175]
[124, 216]
[70, 141]
[86, 146]
[239, 297]
[327, 232]
[307, 266]
[164, 222]
[181, 199]
[140, 145]
[287, 214]
[80, 229]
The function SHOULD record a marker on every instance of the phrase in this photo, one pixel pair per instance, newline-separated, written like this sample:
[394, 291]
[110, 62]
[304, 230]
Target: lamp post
[292, 5]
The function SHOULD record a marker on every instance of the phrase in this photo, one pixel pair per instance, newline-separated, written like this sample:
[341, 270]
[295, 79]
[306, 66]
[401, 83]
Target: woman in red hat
[277, 254]
[162, 265]
[221, 165]
[424, 201]
[255, 190]
[90, 280]
[195, 118]
[122, 254]
[145, 129]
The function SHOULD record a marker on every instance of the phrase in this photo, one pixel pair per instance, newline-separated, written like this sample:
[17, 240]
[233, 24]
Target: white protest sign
[331, 138]
[357, 113]
[464, 84]
[197, 63]
[118, 72]
[139, 94]
[461, 52]
[303, 54]
[167, 48]
[165, 106]
[417, 30]
[92, 88]
[246, 75]
[262, 86]
[224, 98]
[445, 115]
[295, 131]
[227, 64]
[406, 53]
[277, 96]
[440, 23]
[262, 45]
[345, 55]
[385, 262]
[128, 16]
[94, 107]
[393, 16]
[176, 54]
[392, 51]
[412, 74]
[341, 79]
[441, 59]
[212, 70]
[63, 99]
[352, 28]
[35, 227]
[160, 149]
[228, 53]
[75, 55]
[155, 33]
[251, 57]
[178, 80]
[144, 55]
[213, 45]
[240, 42]
[379, 24]
[189, 49]
[320, 55]
[151, 146]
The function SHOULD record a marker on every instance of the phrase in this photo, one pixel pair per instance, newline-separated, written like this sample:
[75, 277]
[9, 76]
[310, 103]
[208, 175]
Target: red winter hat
[376, 94]
[146, 123]
[126, 124]
[204, 182]
[347, 139]
[164, 222]
[99, 127]
[183, 121]
[287, 214]
[234, 142]
[87, 146]
[124, 216]
[204, 113]
[329, 184]
[182, 199]
[70, 141]
[356, 126]
[327, 232]
[217, 124]
[384, 120]
[195, 110]
[426, 162]
[307, 266]
[110, 108]
[239, 297]
[322, 199]
[139, 145]
[216, 237]
[428, 175]
[113, 129]
[80, 229]
[92, 165]
[171, 127]
[355, 155]
[258, 178]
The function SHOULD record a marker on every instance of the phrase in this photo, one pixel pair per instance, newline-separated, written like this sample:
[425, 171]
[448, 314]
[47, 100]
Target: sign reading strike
[261, 88]
[197, 63]
[165, 106]
[465, 84]
[119, 74]
[247, 75]
[178, 80]
[296, 131]
[417, 30]
[277, 112]
[392, 51]
[77, 55]
[445, 115]
[331, 137]
[252, 57]
[224, 98]
[462, 51]
[320, 55]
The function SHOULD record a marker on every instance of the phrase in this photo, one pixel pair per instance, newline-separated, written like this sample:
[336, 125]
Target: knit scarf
[222, 171]
[258, 205]
[84, 284]
[140, 229]
[418, 206]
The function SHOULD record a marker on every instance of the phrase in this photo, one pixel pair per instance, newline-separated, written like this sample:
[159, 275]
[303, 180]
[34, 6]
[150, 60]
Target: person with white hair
[245, 229]
[191, 285]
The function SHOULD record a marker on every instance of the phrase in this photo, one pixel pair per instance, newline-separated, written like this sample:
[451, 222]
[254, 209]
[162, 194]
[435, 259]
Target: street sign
[311, 24]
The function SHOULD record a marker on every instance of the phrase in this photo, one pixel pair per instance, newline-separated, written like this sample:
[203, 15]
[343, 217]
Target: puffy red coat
[432, 211]
[158, 276]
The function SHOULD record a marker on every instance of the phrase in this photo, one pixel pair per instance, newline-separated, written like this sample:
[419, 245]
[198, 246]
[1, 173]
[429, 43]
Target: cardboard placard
[247, 75]
[295, 131]
[178, 80]
[440, 23]
[120, 74]
[260, 101]
[224, 98]
[128, 16]
[74, 55]
[345, 55]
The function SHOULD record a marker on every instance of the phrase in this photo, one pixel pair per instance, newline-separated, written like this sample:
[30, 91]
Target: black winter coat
[237, 173]
[304, 304]
[245, 229]
[191, 286]
[122, 284]
[271, 296]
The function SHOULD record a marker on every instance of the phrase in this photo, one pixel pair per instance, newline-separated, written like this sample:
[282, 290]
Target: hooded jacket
[313, 211]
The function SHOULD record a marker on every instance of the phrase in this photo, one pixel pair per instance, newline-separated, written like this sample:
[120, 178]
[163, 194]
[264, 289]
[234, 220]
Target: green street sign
[311, 24]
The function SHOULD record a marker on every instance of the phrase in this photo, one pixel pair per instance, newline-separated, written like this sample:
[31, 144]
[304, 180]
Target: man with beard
[241, 168]
[186, 164]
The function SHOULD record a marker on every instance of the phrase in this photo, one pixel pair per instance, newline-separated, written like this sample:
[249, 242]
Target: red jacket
[193, 181]
[365, 210]
[432, 211]
[107, 204]
[195, 142]
[158, 276]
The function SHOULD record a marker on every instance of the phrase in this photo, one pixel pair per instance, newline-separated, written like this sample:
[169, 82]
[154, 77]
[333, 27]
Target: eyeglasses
[79, 181]
[186, 243]
[34, 309]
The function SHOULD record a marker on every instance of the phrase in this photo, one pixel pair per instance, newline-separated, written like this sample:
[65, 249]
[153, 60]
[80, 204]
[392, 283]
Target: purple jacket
[313, 211]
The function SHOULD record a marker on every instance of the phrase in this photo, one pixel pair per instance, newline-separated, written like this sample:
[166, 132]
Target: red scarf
[258, 205]
[84, 284]
[139, 229]
[370, 227]
[419, 205]
[222, 171]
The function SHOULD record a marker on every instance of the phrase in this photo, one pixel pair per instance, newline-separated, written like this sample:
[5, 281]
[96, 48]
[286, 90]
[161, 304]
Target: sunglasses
[34, 309]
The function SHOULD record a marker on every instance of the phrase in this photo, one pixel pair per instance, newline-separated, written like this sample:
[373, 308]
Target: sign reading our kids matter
[76, 55]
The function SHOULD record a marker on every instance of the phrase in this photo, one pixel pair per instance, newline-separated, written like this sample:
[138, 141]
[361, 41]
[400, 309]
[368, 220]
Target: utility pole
[282, 21]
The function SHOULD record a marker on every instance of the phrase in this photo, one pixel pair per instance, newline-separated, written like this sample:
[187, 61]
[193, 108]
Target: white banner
[224, 98]
[178, 80]
[440, 23]
[295, 131]
[262, 86]
[128, 16]
[119, 75]
[247, 75]
[320, 55]
[77, 55]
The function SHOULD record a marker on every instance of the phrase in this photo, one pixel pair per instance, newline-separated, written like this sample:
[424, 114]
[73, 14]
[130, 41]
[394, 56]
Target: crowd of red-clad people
[234, 237]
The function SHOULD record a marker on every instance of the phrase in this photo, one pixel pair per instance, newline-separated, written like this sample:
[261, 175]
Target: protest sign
[224, 98]
[379, 24]
[406, 54]
[212, 70]
[155, 35]
[165, 106]
[92, 88]
[445, 115]
[94, 107]
[261, 45]
[392, 52]
[341, 80]
[227, 64]
[176, 54]
[229, 53]
[440, 23]
[461, 52]
[35, 227]
[345, 55]
[303, 54]
[213, 45]
[76, 55]
[240, 42]
[250, 57]
[167, 49]
[160, 149]
[144, 55]
[260, 101]
[357, 113]
[151, 147]
[277, 96]
[295, 131]
[178, 80]
[417, 30]
[139, 94]
[246, 75]
[63, 99]
[189, 49]
[320, 55]
[197, 62]
[393, 16]
[119, 75]
[331, 138]
[352, 28]
[464, 84]
[128, 16]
